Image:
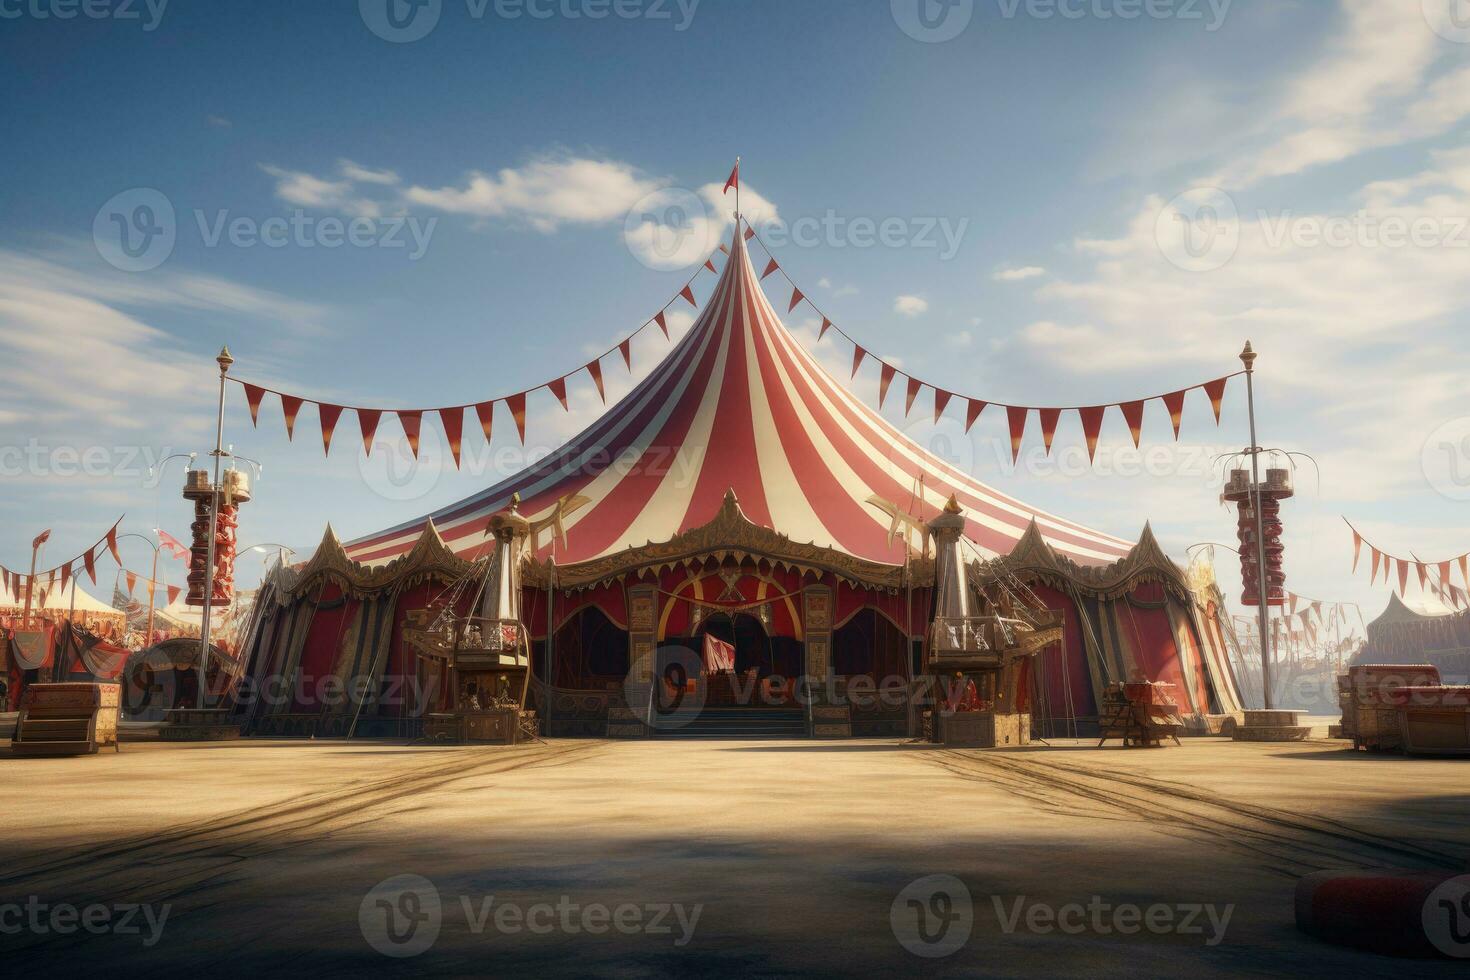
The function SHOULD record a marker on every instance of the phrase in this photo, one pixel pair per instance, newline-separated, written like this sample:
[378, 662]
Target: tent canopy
[738, 404]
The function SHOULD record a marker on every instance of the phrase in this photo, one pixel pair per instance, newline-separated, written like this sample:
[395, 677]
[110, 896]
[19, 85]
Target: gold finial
[224, 359]
[952, 506]
[1248, 356]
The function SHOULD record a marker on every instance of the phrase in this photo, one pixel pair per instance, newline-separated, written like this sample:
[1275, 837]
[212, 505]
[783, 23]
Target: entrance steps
[733, 723]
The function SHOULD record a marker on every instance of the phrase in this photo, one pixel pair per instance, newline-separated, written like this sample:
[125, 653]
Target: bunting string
[451, 418]
[1433, 576]
[18, 582]
[1017, 416]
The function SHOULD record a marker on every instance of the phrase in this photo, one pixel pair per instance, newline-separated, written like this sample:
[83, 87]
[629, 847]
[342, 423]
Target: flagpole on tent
[1263, 588]
[31, 579]
[224, 360]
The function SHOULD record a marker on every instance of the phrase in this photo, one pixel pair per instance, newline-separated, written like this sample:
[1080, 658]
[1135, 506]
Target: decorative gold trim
[1033, 558]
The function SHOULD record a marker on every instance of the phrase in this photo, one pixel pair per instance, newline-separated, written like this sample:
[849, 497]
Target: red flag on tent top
[41, 539]
[734, 180]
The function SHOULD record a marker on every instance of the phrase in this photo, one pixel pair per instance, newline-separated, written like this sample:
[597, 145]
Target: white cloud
[910, 306]
[545, 193]
[366, 175]
[308, 191]
[1017, 274]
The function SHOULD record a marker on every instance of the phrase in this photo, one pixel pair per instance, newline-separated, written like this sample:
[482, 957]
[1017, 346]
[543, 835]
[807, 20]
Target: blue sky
[1053, 142]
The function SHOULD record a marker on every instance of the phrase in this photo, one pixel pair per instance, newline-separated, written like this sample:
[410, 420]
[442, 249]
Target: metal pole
[224, 360]
[1263, 588]
[31, 583]
[152, 591]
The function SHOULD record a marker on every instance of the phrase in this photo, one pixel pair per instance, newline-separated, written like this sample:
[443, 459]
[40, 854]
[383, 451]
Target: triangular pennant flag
[771, 267]
[594, 368]
[89, 562]
[453, 421]
[725, 249]
[972, 411]
[112, 545]
[1216, 392]
[688, 294]
[410, 422]
[1049, 417]
[908, 401]
[65, 576]
[329, 416]
[367, 424]
[626, 349]
[517, 406]
[1357, 549]
[1174, 402]
[1092, 420]
[1377, 557]
[1133, 415]
[663, 323]
[1403, 575]
[1423, 571]
[1292, 598]
[857, 359]
[486, 413]
[826, 323]
[749, 233]
[796, 297]
[559, 389]
[290, 406]
[132, 582]
[173, 593]
[1016, 419]
[885, 378]
[1465, 569]
[1444, 574]
[710, 265]
[253, 396]
[941, 401]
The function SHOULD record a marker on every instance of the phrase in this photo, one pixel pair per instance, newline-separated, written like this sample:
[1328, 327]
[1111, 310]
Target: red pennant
[559, 389]
[1403, 575]
[1216, 392]
[132, 582]
[734, 180]
[1357, 549]
[1092, 420]
[1016, 419]
[453, 421]
[1049, 417]
[290, 406]
[410, 422]
[89, 562]
[857, 359]
[626, 349]
[486, 412]
[796, 297]
[1423, 571]
[1174, 402]
[770, 268]
[749, 233]
[663, 324]
[367, 424]
[972, 412]
[710, 265]
[517, 406]
[908, 401]
[1377, 557]
[1133, 415]
[65, 576]
[329, 415]
[112, 545]
[173, 593]
[725, 249]
[253, 396]
[1444, 574]
[885, 378]
[823, 332]
[594, 368]
[688, 294]
[941, 400]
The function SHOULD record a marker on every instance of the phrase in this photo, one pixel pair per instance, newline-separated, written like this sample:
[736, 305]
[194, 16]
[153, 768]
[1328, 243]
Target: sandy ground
[796, 856]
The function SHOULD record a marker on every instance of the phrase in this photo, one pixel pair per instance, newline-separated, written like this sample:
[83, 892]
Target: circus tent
[739, 478]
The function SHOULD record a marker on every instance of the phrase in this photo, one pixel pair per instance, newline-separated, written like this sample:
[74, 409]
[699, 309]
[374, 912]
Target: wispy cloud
[910, 306]
[1010, 274]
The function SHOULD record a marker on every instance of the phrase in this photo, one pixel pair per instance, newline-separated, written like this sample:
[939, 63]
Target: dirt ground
[658, 858]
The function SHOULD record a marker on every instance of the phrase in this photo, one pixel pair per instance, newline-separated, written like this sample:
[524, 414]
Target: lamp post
[152, 580]
[224, 360]
[1263, 588]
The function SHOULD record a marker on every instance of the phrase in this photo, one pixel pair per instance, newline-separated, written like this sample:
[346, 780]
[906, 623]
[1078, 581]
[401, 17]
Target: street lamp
[152, 576]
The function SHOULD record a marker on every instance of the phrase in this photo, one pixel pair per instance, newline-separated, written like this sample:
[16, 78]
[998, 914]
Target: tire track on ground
[1290, 843]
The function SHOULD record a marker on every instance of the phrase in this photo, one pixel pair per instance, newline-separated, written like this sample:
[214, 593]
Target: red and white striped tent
[740, 405]
[739, 446]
